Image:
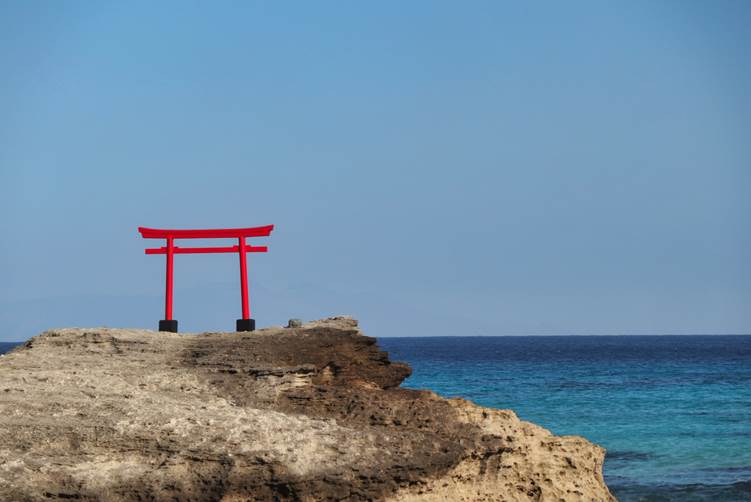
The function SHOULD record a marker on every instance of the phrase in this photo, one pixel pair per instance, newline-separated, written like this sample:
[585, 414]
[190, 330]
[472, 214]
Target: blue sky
[433, 168]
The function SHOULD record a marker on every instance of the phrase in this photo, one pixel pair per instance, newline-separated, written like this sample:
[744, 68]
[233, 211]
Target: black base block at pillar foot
[246, 325]
[170, 325]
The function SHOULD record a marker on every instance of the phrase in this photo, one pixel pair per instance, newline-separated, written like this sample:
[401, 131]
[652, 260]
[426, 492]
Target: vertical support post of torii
[170, 274]
[246, 323]
[169, 324]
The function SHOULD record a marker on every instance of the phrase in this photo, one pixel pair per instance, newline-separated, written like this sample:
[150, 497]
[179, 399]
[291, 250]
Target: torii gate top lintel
[208, 233]
[244, 324]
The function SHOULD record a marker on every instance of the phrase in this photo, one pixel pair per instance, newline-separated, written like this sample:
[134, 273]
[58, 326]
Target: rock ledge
[306, 413]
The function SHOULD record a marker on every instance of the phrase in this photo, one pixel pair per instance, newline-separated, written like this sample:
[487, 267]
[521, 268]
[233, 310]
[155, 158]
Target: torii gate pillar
[246, 323]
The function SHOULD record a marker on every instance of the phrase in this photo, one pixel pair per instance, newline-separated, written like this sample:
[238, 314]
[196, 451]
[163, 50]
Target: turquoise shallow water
[674, 412]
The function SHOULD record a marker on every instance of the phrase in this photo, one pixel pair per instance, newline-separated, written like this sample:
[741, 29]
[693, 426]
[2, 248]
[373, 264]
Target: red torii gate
[244, 324]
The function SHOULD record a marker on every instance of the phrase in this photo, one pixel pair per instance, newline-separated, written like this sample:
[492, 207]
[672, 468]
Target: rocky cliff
[307, 413]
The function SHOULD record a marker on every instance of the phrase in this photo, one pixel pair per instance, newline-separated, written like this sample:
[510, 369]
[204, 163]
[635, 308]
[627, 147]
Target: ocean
[6, 346]
[674, 412]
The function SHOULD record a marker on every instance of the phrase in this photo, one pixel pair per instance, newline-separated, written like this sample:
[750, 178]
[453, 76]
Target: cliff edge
[309, 413]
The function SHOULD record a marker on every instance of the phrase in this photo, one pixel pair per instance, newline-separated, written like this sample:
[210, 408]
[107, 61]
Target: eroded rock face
[306, 413]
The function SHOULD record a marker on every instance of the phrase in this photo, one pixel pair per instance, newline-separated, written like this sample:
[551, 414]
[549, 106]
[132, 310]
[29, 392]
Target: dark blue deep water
[674, 412]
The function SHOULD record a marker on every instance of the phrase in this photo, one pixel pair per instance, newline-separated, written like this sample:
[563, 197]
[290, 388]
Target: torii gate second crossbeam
[244, 324]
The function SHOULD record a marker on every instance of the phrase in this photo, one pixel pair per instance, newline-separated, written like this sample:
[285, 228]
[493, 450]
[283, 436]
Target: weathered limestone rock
[294, 323]
[305, 413]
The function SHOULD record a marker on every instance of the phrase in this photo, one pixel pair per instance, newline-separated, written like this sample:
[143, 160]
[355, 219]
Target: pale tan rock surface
[306, 413]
